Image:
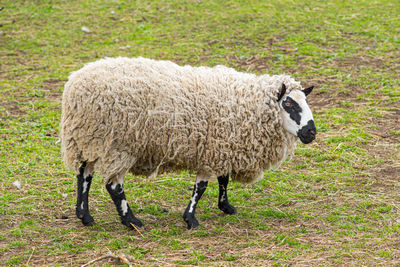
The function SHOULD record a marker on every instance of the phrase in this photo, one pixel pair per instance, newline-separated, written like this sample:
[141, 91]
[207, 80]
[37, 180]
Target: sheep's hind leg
[223, 203]
[188, 216]
[82, 202]
[116, 190]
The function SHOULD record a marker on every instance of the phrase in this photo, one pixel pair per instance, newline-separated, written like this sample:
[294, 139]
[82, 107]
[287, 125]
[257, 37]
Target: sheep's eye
[288, 104]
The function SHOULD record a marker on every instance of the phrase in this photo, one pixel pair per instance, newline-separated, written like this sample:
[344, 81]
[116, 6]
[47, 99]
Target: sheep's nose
[312, 132]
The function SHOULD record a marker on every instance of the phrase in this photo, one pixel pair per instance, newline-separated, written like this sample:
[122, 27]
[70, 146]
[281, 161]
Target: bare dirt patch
[11, 109]
[388, 125]
[359, 62]
[51, 88]
[252, 64]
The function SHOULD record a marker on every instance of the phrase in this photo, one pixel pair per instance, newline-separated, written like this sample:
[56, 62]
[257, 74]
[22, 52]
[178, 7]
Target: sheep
[144, 116]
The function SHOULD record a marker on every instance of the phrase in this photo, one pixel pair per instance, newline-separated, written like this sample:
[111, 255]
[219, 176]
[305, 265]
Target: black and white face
[296, 114]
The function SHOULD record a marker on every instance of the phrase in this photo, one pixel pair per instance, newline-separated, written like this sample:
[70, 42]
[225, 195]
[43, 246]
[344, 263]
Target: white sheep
[142, 116]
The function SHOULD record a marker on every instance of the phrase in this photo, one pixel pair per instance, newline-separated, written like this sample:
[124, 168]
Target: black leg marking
[117, 194]
[188, 216]
[223, 203]
[82, 202]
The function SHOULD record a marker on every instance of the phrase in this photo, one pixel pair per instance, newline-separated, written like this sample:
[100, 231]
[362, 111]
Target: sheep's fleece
[142, 116]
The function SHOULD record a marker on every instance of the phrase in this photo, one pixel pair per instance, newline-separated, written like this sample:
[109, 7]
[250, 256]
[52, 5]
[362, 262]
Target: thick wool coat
[142, 116]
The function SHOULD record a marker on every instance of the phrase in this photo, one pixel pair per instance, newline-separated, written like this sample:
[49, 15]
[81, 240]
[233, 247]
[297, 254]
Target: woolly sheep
[143, 116]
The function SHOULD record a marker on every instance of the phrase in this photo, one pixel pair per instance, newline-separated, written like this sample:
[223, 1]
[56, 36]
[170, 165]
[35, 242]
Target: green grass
[335, 203]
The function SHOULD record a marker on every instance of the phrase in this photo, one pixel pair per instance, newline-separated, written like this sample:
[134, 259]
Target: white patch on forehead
[297, 95]
[306, 114]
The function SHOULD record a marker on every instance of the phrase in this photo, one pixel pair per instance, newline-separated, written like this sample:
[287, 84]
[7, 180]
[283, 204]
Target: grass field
[336, 203]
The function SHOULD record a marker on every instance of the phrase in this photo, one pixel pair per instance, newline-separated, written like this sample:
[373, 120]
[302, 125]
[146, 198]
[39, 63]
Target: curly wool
[142, 116]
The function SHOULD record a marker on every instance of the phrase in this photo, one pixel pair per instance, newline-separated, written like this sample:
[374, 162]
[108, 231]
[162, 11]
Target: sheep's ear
[281, 92]
[308, 90]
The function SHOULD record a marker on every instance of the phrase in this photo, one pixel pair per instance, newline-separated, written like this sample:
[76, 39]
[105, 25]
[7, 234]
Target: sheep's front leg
[223, 203]
[188, 216]
[116, 190]
[82, 202]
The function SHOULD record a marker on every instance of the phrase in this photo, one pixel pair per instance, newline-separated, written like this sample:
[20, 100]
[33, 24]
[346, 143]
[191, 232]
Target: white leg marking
[223, 195]
[114, 183]
[85, 184]
[124, 207]
[199, 178]
[193, 201]
[113, 186]
[88, 171]
[82, 205]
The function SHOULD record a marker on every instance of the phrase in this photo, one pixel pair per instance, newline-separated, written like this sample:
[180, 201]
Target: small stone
[112, 12]
[85, 29]
[64, 195]
[125, 47]
[17, 184]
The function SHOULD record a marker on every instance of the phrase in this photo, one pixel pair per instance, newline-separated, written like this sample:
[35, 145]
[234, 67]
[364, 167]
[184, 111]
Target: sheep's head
[296, 114]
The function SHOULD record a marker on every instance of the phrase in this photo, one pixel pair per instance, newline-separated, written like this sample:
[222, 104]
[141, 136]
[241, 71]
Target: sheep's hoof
[132, 220]
[191, 221]
[227, 208]
[88, 220]
[85, 217]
